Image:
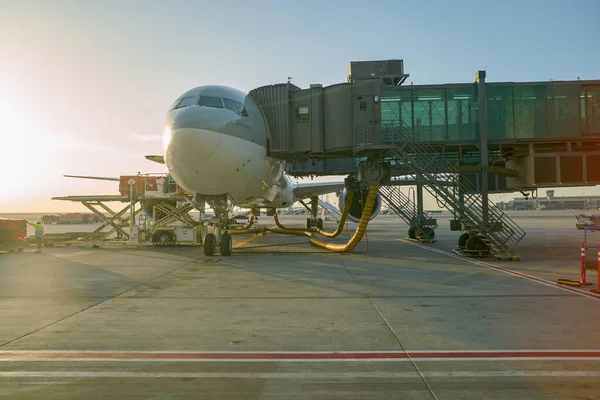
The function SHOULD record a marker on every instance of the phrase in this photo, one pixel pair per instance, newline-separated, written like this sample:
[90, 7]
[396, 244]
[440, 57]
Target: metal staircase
[421, 226]
[498, 236]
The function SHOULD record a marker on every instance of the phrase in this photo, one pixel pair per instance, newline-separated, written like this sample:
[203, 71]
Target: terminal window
[302, 113]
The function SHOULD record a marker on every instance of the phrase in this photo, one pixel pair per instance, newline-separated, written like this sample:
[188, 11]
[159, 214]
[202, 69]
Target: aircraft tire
[209, 245]
[320, 223]
[226, 246]
[308, 223]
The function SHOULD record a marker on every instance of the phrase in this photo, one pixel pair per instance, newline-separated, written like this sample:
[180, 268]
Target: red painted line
[492, 354]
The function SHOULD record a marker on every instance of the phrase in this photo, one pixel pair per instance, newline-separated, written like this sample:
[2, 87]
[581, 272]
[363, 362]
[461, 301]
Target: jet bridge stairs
[497, 236]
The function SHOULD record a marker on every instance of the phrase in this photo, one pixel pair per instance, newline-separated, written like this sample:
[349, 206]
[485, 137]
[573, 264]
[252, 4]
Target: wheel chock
[569, 282]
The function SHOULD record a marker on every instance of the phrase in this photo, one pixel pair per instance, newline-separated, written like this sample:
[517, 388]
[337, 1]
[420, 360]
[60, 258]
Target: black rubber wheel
[476, 244]
[308, 223]
[209, 245]
[162, 237]
[320, 223]
[225, 246]
[412, 233]
[428, 233]
[462, 240]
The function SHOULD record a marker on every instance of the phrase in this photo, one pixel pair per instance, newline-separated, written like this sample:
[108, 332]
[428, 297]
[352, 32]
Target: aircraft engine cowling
[357, 204]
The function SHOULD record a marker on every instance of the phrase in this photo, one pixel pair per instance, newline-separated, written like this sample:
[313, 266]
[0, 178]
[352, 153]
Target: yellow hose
[297, 232]
[292, 231]
[243, 229]
[340, 227]
[360, 229]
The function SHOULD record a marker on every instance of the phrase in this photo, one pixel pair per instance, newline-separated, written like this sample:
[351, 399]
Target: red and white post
[582, 272]
[598, 288]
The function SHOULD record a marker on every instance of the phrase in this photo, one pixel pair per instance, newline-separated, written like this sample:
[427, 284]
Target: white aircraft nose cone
[192, 145]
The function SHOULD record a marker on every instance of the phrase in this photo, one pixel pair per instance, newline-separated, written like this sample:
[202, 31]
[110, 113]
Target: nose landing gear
[220, 223]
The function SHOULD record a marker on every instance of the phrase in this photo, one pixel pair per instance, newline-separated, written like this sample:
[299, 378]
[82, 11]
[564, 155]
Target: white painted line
[289, 360]
[531, 278]
[323, 356]
[299, 375]
[299, 352]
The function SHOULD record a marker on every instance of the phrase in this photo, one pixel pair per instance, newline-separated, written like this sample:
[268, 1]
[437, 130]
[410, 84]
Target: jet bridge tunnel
[460, 141]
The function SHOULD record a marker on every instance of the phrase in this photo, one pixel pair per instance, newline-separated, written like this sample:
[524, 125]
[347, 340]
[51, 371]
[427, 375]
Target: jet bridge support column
[420, 212]
[483, 148]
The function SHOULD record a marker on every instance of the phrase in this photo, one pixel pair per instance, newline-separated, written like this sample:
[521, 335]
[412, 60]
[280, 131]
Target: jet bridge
[462, 141]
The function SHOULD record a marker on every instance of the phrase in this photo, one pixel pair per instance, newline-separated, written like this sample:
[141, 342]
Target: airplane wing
[99, 178]
[333, 210]
[94, 197]
[157, 159]
[306, 190]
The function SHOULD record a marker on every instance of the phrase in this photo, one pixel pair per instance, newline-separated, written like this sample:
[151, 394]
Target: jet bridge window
[185, 102]
[208, 101]
[302, 113]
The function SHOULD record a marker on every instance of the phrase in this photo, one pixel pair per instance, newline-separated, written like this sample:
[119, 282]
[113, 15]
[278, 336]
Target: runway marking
[179, 356]
[299, 375]
[510, 272]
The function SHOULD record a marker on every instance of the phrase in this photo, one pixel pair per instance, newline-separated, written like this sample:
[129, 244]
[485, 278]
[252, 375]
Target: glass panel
[429, 107]
[591, 104]
[500, 112]
[530, 112]
[208, 101]
[185, 102]
[396, 107]
[230, 105]
[563, 111]
[302, 113]
[462, 113]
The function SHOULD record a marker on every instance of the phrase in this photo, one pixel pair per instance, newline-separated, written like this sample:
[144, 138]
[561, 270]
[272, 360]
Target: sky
[84, 85]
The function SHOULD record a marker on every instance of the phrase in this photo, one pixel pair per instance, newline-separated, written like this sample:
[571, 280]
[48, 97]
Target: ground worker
[39, 234]
[118, 227]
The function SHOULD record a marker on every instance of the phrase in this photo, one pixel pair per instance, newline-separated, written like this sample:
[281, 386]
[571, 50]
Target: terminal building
[551, 202]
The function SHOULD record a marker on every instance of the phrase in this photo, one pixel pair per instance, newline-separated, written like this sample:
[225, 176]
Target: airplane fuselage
[215, 142]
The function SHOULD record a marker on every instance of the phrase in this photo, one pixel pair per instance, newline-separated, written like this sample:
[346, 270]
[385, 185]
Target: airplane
[215, 143]
[215, 146]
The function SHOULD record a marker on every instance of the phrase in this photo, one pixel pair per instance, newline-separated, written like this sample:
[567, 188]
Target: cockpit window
[242, 109]
[185, 102]
[208, 101]
[230, 105]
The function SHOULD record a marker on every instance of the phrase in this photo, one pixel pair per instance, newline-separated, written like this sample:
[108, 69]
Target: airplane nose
[191, 145]
[192, 140]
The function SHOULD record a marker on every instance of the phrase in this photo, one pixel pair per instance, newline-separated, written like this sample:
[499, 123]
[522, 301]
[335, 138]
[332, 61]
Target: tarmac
[395, 319]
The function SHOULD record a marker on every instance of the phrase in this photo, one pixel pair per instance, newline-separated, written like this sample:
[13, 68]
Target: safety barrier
[582, 273]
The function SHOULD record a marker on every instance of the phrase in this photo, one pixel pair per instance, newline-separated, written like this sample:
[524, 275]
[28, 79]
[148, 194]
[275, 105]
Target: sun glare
[22, 152]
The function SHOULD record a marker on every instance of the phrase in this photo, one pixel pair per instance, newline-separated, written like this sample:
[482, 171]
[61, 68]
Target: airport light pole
[131, 182]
